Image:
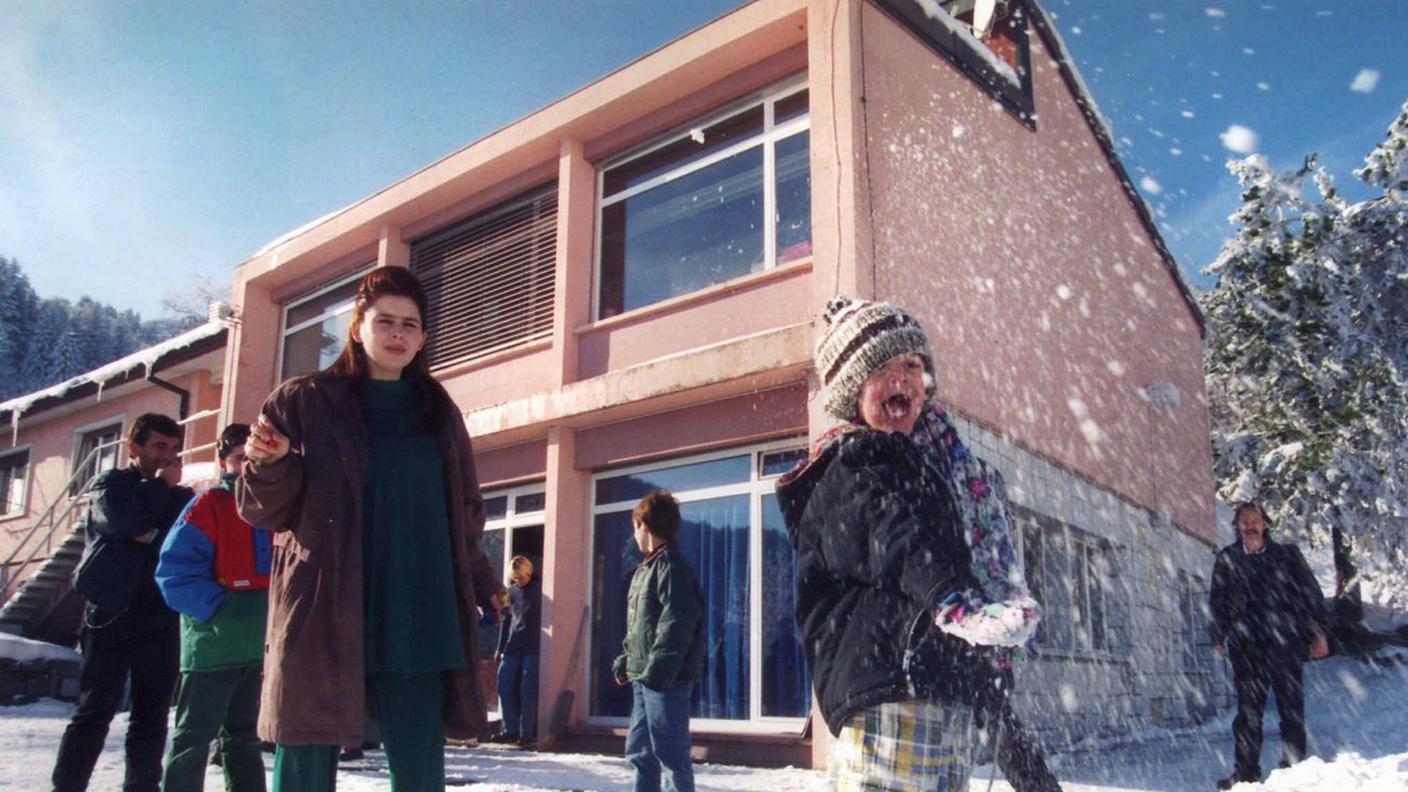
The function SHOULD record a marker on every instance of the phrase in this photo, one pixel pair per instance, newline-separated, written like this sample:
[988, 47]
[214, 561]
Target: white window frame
[768, 138]
[755, 488]
[1076, 545]
[337, 310]
[1081, 545]
[120, 449]
[20, 502]
[512, 518]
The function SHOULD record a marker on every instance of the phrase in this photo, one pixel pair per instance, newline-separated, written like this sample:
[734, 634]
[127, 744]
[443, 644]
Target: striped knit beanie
[858, 338]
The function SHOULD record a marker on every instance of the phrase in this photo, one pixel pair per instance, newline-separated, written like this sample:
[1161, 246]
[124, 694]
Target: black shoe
[503, 738]
[526, 743]
[1284, 763]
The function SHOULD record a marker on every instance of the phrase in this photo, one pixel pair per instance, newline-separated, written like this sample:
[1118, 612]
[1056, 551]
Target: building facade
[623, 290]
[55, 441]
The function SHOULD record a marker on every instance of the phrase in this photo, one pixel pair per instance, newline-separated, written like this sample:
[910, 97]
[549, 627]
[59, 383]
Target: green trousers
[211, 704]
[408, 710]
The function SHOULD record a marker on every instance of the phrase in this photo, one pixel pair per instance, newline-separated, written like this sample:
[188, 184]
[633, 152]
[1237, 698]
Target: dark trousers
[518, 695]
[118, 647]
[212, 704]
[1253, 676]
[408, 710]
[1018, 756]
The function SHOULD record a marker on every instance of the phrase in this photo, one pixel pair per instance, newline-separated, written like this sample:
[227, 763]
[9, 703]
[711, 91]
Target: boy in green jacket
[663, 652]
[214, 570]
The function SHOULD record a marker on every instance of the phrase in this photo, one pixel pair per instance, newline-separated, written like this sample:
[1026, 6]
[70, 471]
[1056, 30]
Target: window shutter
[490, 279]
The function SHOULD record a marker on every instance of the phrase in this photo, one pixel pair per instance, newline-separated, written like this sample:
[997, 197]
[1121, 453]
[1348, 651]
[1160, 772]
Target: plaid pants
[904, 746]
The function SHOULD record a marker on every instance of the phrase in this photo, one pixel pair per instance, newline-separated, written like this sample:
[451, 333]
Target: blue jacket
[214, 570]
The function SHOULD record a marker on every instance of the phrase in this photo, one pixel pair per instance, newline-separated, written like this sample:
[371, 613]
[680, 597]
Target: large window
[733, 536]
[95, 452]
[1070, 574]
[14, 473]
[315, 326]
[721, 198]
[490, 278]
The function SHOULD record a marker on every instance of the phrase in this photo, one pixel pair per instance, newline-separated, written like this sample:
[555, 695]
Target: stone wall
[1153, 670]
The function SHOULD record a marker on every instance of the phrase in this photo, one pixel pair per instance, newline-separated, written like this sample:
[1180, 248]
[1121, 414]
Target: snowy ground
[1358, 716]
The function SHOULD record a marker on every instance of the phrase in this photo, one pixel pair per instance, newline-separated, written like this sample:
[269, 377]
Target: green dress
[408, 587]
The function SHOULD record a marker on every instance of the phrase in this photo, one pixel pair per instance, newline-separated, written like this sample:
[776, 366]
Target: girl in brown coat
[366, 474]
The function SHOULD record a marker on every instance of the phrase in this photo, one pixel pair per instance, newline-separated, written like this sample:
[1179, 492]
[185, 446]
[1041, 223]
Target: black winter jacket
[879, 543]
[125, 506]
[1266, 604]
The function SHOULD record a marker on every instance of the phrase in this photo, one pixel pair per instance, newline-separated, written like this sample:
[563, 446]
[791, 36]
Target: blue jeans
[518, 695]
[659, 737]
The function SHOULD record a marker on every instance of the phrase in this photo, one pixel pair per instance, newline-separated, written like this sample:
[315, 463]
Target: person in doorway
[214, 570]
[516, 656]
[127, 628]
[1268, 618]
[663, 651]
[366, 476]
[888, 605]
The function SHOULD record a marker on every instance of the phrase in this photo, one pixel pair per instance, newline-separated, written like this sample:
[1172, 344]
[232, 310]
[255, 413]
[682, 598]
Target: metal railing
[53, 517]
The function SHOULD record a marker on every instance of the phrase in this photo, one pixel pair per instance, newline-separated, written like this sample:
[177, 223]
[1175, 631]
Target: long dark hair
[352, 363]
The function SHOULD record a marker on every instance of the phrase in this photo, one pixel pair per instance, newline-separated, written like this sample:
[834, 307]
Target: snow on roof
[305, 227]
[146, 358]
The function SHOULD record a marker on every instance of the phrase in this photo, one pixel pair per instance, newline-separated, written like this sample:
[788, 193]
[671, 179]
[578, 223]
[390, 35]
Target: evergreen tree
[44, 342]
[1306, 367]
[17, 314]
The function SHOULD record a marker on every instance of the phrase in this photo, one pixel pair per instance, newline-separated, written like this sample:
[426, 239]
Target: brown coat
[312, 500]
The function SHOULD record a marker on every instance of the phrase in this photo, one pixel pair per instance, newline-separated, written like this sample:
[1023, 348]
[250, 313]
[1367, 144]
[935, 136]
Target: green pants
[212, 704]
[408, 708]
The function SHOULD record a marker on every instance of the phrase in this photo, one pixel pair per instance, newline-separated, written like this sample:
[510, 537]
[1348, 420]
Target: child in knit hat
[897, 621]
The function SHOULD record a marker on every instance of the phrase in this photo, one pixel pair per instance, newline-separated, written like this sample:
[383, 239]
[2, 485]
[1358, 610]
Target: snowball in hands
[1009, 623]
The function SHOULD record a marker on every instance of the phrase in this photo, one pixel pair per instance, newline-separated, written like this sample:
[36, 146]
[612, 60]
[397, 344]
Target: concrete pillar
[391, 251]
[841, 233]
[572, 298]
[565, 580]
[251, 353]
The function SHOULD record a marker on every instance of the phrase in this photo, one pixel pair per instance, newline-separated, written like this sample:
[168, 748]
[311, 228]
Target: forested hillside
[46, 341]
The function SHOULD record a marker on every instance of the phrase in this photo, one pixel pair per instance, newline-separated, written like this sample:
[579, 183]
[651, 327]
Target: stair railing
[60, 510]
[12, 570]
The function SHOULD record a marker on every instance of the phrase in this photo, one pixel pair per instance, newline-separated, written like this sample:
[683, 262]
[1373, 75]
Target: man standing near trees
[127, 627]
[1267, 615]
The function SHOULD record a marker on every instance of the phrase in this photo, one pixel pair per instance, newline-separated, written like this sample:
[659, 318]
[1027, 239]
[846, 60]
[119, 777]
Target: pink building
[624, 285]
[55, 441]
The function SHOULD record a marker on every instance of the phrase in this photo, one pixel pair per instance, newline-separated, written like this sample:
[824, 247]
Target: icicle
[101, 384]
[15, 426]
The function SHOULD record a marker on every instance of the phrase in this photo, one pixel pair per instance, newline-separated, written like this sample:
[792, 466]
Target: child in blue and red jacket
[214, 570]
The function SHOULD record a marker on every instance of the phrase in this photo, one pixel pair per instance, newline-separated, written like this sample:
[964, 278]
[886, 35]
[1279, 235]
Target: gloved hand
[970, 616]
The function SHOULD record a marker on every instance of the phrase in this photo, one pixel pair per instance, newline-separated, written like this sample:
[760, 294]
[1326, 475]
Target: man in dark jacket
[127, 626]
[663, 652]
[1267, 615]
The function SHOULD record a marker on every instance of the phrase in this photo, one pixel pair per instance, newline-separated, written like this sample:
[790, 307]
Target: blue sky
[144, 145]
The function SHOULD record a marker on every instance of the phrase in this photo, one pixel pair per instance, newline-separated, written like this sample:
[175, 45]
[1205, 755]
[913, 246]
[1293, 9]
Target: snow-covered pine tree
[17, 315]
[1305, 366]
